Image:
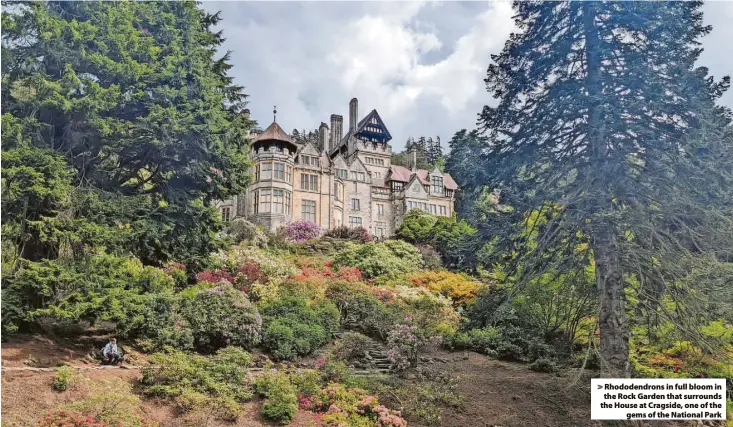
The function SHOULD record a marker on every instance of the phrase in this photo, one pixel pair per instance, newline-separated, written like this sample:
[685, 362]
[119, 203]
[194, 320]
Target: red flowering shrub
[70, 419]
[215, 276]
[302, 231]
[248, 274]
[350, 274]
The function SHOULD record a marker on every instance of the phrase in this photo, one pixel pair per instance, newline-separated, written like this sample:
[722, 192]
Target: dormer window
[437, 183]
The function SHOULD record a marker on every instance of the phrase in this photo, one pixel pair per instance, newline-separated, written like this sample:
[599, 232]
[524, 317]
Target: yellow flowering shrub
[459, 288]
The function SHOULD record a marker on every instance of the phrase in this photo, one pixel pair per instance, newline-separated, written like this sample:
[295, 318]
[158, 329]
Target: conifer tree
[605, 126]
[134, 98]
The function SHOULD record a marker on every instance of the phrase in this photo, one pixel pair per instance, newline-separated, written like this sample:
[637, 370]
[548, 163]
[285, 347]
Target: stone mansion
[351, 182]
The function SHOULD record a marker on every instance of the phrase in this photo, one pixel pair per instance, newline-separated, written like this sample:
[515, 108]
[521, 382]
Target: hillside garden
[592, 233]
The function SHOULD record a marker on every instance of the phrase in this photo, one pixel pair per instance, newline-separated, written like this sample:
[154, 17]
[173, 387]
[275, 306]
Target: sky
[420, 64]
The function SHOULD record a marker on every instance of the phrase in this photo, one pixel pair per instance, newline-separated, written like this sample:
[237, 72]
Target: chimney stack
[412, 155]
[337, 130]
[323, 136]
[353, 114]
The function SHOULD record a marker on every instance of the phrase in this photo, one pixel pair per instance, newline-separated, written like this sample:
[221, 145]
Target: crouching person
[111, 353]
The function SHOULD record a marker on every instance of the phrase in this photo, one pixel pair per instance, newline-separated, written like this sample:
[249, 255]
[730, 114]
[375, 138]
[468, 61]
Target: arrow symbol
[600, 386]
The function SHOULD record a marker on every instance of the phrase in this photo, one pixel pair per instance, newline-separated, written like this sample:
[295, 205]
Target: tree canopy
[605, 126]
[127, 104]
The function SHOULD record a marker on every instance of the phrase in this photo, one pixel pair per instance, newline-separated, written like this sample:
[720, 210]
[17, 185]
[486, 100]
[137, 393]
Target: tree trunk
[609, 277]
[612, 316]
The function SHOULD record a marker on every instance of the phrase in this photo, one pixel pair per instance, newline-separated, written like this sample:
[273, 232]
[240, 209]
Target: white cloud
[420, 64]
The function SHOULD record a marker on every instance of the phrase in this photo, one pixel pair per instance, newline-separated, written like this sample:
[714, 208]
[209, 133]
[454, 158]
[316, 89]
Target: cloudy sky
[420, 64]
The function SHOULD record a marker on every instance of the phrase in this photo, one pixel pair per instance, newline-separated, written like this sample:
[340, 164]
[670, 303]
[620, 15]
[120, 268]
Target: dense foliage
[453, 239]
[118, 123]
[219, 383]
[605, 127]
[295, 327]
[389, 258]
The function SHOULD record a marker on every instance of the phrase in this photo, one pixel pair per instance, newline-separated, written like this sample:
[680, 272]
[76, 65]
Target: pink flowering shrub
[302, 231]
[359, 234]
[404, 342]
[353, 407]
[175, 266]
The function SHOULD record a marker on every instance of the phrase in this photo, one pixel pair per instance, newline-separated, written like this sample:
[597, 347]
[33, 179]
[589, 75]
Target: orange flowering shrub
[459, 288]
[322, 273]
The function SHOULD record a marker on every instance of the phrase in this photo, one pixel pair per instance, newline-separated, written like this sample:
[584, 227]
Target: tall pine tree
[135, 100]
[605, 126]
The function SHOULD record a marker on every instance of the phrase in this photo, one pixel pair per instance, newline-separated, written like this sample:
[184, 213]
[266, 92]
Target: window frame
[353, 221]
[305, 207]
[266, 170]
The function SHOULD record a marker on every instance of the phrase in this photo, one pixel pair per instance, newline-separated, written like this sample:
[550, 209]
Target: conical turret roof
[274, 133]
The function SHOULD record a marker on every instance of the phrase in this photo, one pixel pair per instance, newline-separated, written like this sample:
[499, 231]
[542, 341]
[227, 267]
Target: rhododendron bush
[214, 314]
[271, 265]
[403, 343]
[390, 258]
[352, 407]
[302, 231]
[458, 287]
[359, 234]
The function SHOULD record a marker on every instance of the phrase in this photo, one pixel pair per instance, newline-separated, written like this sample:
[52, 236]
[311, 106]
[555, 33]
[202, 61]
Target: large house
[350, 182]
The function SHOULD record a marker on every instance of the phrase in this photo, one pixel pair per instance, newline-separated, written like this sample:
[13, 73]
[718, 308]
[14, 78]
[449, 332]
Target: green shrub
[160, 325]
[336, 371]
[352, 345]
[416, 227]
[214, 314]
[504, 342]
[281, 398]
[112, 403]
[391, 258]
[361, 310]
[295, 327]
[430, 257]
[98, 288]
[308, 381]
[65, 375]
[543, 365]
[219, 383]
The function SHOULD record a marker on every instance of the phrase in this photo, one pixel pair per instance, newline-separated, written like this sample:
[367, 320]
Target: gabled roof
[403, 174]
[274, 132]
[363, 123]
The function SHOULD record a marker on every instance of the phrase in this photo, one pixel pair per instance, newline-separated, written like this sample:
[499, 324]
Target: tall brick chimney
[323, 136]
[412, 155]
[353, 114]
[337, 130]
